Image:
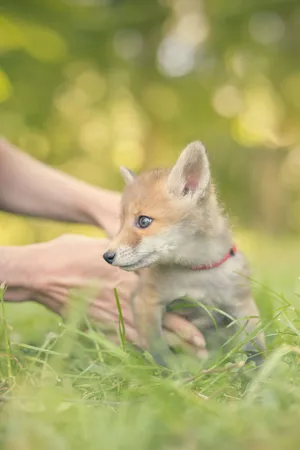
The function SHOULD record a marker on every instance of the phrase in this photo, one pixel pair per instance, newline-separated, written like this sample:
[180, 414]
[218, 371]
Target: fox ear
[191, 174]
[127, 175]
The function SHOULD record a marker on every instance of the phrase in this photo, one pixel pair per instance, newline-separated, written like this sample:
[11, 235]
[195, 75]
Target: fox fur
[188, 228]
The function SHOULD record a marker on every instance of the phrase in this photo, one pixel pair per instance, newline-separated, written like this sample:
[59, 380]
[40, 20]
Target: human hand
[73, 261]
[103, 210]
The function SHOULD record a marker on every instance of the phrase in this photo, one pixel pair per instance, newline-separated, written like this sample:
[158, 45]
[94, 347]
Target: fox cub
[173, 228]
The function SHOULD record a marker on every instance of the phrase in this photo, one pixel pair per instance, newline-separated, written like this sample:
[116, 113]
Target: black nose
[109, 257]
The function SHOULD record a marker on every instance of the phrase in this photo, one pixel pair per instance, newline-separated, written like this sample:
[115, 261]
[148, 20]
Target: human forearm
[31, 188]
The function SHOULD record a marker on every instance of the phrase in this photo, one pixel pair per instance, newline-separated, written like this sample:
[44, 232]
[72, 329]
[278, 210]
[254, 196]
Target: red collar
[231, 252]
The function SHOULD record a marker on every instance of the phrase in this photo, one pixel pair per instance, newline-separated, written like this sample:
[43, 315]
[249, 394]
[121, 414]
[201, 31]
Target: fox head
[162, 210]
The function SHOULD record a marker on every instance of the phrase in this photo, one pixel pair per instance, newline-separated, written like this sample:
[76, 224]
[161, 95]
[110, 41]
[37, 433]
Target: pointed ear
[191, 174]
[127, 175]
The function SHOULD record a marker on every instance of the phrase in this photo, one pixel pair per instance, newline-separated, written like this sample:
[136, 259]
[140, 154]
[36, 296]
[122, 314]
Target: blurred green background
[89, 85]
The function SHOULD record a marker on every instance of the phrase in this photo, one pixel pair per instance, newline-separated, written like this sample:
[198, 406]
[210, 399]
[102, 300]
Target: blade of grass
[6, 336]
[266, 371]
[121, 320]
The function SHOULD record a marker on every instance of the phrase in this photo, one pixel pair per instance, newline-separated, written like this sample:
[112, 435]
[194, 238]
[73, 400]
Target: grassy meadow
[65, 389]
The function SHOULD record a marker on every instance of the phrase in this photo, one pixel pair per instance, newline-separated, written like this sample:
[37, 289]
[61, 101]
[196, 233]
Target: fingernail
[199, 341]
[202, 354]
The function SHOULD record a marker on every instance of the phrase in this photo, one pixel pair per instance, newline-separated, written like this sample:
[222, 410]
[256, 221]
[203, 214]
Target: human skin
[46, 272]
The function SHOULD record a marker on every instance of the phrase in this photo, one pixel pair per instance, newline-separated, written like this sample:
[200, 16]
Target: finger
[109, 317]
[184, 329]
[112, 276]
[114, 336]
[53, 305]
[113, 309]
[174, 341]
[109, 322]
[130, 336]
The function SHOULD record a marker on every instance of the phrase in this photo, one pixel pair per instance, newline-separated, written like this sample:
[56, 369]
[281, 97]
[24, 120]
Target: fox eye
[144, 221]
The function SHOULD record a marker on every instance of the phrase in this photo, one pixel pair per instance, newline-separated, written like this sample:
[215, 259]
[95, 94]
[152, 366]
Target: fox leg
[248, 318]
[148, 315]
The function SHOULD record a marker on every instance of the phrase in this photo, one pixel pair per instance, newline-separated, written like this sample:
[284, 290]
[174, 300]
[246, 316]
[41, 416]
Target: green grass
[67, 389]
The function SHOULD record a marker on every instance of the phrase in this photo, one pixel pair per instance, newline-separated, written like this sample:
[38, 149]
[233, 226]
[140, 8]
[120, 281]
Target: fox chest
[193, 294]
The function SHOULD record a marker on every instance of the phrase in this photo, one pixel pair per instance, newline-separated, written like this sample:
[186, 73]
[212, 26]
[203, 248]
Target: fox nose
[109, 257]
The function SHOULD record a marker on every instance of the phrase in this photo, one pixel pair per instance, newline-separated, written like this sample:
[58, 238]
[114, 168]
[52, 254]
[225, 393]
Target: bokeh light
[266, 27]
[89, 85]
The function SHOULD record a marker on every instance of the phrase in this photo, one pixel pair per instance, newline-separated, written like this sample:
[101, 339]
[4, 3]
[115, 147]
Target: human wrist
[100, 207]
[17, 271]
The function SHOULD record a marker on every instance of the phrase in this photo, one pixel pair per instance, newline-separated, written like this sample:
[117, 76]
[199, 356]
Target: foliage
[90, 85]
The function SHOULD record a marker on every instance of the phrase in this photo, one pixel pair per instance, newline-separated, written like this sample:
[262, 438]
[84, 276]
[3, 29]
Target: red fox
[174, 229]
